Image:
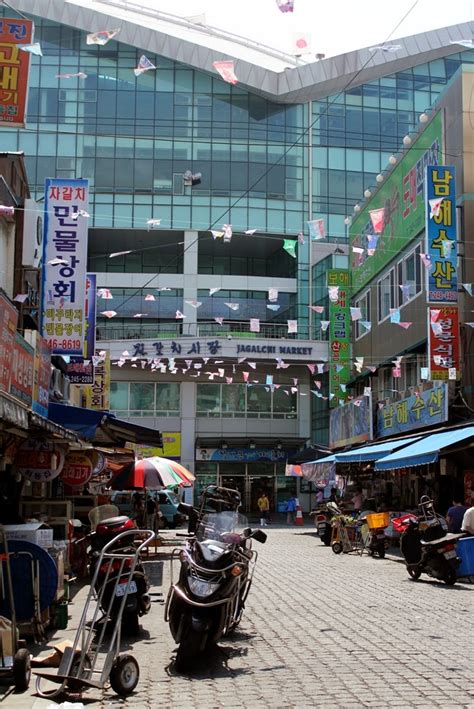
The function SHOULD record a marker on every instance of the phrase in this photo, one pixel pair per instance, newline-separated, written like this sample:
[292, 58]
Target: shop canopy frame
[425, 450]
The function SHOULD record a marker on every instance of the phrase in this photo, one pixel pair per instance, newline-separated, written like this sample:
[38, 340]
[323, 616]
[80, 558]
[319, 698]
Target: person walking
[264, 507]
[290, 510]
[455, 514]
[152, 509]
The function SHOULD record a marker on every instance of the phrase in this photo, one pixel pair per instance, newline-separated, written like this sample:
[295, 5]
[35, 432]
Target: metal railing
[170, 331]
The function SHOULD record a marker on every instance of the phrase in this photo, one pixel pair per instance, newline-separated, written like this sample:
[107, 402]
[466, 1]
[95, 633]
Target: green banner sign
[402, 200]
[339, 335]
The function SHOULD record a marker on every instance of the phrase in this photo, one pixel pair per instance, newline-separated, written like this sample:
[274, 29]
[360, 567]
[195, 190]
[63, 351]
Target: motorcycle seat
[449, 537]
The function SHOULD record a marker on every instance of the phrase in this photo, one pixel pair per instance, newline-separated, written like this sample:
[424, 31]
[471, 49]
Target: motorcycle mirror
[247, 532]
[259, 536]
[185, 509]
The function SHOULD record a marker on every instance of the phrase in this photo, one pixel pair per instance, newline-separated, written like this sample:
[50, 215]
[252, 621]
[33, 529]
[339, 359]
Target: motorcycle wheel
[450, 577]
[326, 538]
[188, 650]
[414, 573]
[381, 550]
[130, 623]
[124, 674]
[337, 547]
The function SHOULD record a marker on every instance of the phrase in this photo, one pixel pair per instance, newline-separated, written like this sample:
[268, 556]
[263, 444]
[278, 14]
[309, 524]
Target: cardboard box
[34, 532]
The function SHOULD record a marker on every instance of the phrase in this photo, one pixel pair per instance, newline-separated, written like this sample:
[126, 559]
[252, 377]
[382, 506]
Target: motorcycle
[426, 546]
[216, 571]
[323, 520]
[138, 601]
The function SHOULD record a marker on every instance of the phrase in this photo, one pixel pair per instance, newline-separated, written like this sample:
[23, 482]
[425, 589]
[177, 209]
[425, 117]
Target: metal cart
[93, 660]
[15, 665]
[346, 536]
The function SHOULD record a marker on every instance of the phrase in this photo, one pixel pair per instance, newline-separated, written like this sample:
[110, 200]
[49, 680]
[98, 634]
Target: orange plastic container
[377, 520]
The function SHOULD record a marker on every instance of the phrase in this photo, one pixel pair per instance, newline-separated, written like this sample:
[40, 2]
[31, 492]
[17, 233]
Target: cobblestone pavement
[320, 630]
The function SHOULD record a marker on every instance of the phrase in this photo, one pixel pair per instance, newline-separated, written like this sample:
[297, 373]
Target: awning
[425, 450]
[308, 455]
[373, 452]
[101, 427]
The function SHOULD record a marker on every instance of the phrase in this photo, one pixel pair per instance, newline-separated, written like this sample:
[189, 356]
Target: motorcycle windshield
[220, 526]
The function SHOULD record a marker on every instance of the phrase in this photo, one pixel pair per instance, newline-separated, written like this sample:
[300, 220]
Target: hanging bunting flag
[333, 293]
[367, 391]
[144, 64]
[21, 298]
[435, 206]
[424, 373]
[339, 368]
[318, 383]
[394, 315]
[233, 306]
[316, 393]
[80, 213]
[357, 250]
[367, 324]
[254, 325]
[386, 48]
[109, 313]
[78, 75]
[316, 229]
[357, 402]
[437, 328]
[467, 287]
[301, 44]
[281, 364]
[324, 325]
[295, 381]
[152, 223]
[405, 325]
[343, 388]
[217, 235]
[290, 246]
[179, 315]
[269, 380]
[317, 308]
[311, 367]
[191, 179]
[377, 217]
[285, 5]
[356, 313]
[294, 390]
[226, 70]
[427, 261]
[102, 37]
[227, 228]
[272, 294]
[105, 293]
[372, 369]
[246, 376]
[292, 326]
[250, 232]
[194, 303]
[162, 289]
[140, 315]
[358, 364]
[434, 314]
[229, 380]
[320, 367]
[221, 372]
[213, 290]
[372, 240]
[150, 297]
[273, 307]
[252, 364]
[468, 43]
[34, 48]
[119, 253]
[405, 288]
[446, 246]
[300, 238]
[240, 360]
[331, 396]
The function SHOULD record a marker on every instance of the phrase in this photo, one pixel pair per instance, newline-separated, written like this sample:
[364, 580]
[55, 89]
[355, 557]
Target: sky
[335, 26]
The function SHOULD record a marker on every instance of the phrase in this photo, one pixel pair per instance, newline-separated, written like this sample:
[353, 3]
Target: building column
[190, 268]
[188, 431]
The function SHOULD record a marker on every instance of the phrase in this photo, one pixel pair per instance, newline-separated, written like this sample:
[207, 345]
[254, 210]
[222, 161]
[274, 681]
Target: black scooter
[427, 547]
[323, 521]
[215, 576]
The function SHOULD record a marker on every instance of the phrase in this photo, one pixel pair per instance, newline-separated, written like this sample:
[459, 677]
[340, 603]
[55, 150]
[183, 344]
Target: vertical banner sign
[64, 266]
[443, 342]
[441, 237]
[8, 323]
[339, 336]
[14, 68]
[98, 394]
[21, 384]
[80, 370]
[42, 376]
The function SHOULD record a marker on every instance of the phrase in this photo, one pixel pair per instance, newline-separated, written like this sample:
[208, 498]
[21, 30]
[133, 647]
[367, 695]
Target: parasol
[153, 474]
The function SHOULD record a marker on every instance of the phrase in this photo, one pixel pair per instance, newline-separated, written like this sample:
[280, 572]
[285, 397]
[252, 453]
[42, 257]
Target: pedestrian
[468, 521]
[264, 507]
[333, 495]
[151, 512]
[320, 496]
[455, 514]
[357, 499]
[138, 509]
[290, 510]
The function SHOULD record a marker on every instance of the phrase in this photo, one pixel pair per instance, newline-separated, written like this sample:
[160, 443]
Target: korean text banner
[64, 266]
[351, 423]
[441, 234]
[80, 370]
[402, 199]
[429, 407]
[339, 335]
[98, 394]
[14, 68]
[444, 347]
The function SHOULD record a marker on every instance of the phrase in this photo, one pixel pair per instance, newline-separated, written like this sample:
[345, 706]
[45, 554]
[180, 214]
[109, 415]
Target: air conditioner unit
[32, 234]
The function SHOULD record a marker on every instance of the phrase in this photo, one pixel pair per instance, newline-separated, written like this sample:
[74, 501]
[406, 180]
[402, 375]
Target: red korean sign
[77, 470]
[444, 346]
[8, 323]
[22, 376]
[14, 68]
[39, 461]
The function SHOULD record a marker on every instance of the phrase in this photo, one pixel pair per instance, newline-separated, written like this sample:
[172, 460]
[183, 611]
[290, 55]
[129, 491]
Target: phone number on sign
[65, 344]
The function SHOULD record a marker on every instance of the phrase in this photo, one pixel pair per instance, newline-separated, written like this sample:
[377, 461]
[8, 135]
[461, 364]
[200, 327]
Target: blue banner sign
[244, 455]
[425, 409]
[441, 234]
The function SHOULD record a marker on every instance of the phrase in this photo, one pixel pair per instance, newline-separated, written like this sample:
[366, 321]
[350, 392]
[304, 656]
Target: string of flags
[285, 5]
[144, 64]
[101, 38]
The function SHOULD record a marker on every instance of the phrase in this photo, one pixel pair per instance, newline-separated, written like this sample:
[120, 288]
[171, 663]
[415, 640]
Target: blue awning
[425, 450]
[373, 452]
[320, 461]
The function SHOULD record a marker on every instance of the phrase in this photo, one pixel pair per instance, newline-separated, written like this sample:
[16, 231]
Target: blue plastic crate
[465, 550]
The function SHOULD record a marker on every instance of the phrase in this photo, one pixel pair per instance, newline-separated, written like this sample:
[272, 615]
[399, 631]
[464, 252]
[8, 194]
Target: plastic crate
[465, 550]
[377, 520]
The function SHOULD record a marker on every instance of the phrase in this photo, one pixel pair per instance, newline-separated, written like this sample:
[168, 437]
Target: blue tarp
[424, 451]
[83, 421]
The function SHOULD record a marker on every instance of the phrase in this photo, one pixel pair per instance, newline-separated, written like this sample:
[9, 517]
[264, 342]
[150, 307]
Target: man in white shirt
[468, 521]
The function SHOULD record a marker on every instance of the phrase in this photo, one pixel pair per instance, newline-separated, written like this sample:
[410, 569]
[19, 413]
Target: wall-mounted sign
[441, 234]
[351, 423]
[339, 335]
[427, 408]
[77, 470]
[171, 447]
[402, 200]
[80, 370]
[97, 395]
[39, 461]
[8, 323]
[14, 68]
[244, 455]
[22, 376]
[64, 265]
[444, 342]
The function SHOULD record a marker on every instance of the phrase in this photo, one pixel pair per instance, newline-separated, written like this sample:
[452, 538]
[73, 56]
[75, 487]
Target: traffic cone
[299, 522]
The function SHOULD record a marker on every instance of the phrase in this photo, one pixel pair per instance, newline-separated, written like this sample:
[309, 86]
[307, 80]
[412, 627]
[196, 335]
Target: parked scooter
[323, 520]
[215, 577]
[426, 546]
[138, 601]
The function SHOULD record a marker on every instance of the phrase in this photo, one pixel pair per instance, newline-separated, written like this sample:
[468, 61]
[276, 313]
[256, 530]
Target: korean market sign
[444, 343]
[80, 370]
[425, 409]
[97, 394]
[63, 288]
[8, 323]
[402, 199]
[441, 234]
[14, 68]
[22, 375]
[39, 461]
[77, 470]
[351, 423]
[339, 335]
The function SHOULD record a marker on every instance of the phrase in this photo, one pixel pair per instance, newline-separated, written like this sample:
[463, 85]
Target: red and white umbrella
[153, 474]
